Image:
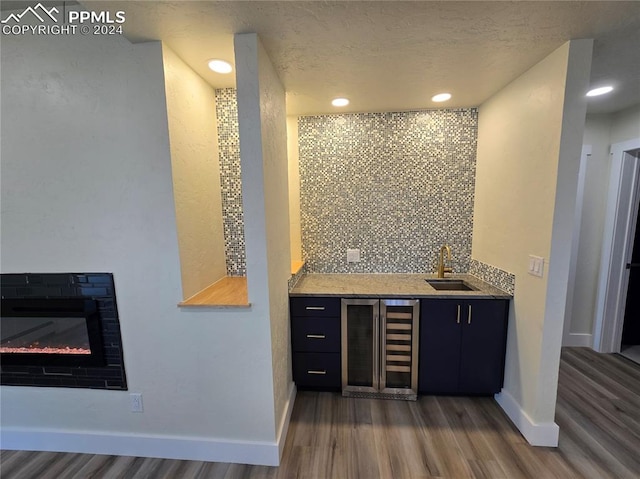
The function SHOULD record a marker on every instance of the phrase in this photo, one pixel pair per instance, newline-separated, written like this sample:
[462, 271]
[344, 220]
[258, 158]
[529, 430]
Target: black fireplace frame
[97, 287]
[56, 308]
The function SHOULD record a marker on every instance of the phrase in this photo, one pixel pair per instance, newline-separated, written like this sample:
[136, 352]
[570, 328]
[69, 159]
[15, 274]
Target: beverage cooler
[380, 348]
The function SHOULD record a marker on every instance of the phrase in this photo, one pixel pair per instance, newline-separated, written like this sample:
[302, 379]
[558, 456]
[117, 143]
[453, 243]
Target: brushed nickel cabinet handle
[321, 373]
[469, 321]
[316, 336]
[315, 308]
[458, 321]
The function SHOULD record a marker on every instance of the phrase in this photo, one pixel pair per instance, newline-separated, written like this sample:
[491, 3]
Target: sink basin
[450, 285]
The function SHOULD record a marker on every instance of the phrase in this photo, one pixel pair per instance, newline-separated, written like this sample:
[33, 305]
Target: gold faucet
[441, 268]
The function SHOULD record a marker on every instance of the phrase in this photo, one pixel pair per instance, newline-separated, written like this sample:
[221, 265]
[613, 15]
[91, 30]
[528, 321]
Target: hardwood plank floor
[598, 412]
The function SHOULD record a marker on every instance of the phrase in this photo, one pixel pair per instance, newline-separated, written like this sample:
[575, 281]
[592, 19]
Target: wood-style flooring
[598, 412]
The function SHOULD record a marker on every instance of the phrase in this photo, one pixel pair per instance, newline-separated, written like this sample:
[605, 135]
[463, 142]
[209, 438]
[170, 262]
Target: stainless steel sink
[450, 285]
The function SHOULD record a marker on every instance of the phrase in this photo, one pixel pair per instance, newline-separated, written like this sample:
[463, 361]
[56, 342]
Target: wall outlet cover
[136, 402]
[536, 266]
[353, 255]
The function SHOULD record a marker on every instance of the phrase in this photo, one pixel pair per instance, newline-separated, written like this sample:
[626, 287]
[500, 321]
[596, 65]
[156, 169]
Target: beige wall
[191, 110]
[276, 196]
[263, 152]
[596, 135]
[294, 188]
[529, 133]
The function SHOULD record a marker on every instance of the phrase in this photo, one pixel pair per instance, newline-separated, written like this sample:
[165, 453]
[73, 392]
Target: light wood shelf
[228, 292]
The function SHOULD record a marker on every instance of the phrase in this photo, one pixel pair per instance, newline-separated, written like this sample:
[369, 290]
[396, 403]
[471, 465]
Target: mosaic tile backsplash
[493, 275]
[231, 181]
[397, 186]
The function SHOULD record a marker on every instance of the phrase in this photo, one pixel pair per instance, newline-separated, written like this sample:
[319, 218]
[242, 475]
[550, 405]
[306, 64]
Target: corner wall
[529, 141]
[191, 111]
[294, 188]
[263, 156]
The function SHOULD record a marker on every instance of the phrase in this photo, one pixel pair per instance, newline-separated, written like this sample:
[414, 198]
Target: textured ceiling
[395, 55]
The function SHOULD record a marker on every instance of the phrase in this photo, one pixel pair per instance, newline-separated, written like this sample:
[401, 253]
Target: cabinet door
[483, 346]
[439, 346]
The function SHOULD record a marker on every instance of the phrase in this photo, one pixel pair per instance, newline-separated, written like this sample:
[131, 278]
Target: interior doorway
[630, 343]
[621, 222]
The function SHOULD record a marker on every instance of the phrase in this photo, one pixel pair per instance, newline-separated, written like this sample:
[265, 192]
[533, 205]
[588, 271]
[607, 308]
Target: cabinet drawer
[312, 306]
[317, 370]
[313, 334]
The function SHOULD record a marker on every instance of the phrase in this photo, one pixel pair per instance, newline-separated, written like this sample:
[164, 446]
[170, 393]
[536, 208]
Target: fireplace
[50, 332]
[60, 330]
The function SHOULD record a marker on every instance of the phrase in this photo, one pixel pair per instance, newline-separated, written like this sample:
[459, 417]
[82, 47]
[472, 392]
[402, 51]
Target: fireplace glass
[50, 332]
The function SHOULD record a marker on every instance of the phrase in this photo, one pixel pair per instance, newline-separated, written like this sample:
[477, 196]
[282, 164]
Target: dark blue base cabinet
[462, 346]
[315, 341]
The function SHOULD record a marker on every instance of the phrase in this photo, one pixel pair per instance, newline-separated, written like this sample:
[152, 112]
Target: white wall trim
[542, 434]
[286, 418]
[167, 447]
[578, 340]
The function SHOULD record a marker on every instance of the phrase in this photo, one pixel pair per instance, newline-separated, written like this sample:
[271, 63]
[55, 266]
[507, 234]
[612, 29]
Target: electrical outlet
[136, 402]
[353, 255]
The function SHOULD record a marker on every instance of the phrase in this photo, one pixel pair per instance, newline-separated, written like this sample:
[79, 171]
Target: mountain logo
[39, 11]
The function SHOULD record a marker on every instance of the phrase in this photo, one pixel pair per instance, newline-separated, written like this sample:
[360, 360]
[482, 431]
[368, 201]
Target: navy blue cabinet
[315, 342]
[462, 346]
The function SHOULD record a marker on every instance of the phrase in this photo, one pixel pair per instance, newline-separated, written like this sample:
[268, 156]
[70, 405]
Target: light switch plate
[536, 265]
[353, 255]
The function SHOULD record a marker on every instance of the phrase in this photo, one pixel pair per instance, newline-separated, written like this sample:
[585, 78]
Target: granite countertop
[389, 286]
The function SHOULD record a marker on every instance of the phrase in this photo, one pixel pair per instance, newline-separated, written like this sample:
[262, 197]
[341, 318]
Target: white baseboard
[578, 340]
[536, 434]
[286, 417]
[167, 447]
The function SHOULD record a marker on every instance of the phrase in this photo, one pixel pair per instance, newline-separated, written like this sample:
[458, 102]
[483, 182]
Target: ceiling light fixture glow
[220, 66]
[600, 91]
[340, 102]
[441, 97]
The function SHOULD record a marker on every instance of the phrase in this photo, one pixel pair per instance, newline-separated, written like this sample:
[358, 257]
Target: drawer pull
[321, 373]
[316, 336]
[315, 308]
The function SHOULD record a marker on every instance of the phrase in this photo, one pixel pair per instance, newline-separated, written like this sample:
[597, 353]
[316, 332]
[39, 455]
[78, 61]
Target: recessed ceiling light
[600, 91]
[340, 102]
[220, 66]
[441, 97]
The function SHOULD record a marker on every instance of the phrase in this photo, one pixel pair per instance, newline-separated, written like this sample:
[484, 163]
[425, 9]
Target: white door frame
[620, 219]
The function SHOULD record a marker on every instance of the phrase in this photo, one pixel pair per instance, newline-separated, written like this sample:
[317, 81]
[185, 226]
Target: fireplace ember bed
[60, 330]
[56, 332]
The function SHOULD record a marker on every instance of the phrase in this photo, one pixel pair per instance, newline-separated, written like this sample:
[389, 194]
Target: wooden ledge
[228, 292]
